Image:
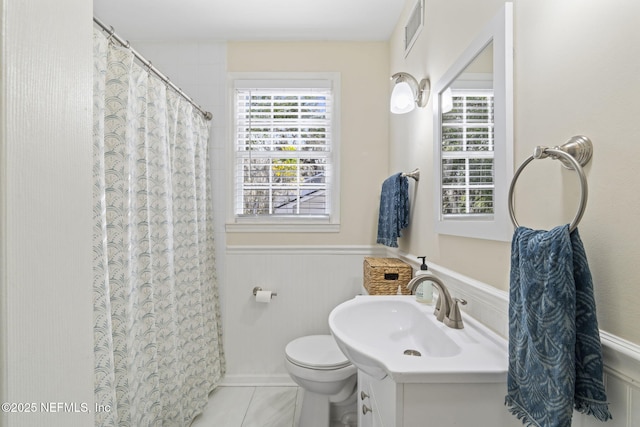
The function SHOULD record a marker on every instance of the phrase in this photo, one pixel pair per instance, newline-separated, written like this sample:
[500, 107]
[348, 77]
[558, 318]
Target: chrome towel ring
[574, 154]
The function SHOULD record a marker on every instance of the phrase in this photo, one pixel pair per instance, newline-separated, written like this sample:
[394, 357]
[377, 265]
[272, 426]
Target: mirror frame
[499, 31]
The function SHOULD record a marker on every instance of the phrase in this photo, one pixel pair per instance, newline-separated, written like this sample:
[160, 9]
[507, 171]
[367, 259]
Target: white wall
[593, 91]
[310, 282]
[363, 128]
[46, 300]
[575, 73]
[314, 272]
[551, 38]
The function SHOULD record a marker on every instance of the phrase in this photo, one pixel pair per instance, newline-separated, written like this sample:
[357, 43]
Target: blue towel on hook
[394, 209]
[555, 356]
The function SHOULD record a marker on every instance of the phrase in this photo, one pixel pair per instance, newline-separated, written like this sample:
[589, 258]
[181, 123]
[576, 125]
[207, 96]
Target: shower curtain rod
[125, 43]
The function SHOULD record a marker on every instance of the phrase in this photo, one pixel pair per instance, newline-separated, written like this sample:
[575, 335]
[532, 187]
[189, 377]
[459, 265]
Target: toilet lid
[316, 352]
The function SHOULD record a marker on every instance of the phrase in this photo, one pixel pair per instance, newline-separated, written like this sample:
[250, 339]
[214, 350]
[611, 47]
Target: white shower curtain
[158, 344]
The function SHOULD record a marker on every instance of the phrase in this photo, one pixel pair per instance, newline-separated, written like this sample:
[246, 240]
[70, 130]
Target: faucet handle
[454, 320]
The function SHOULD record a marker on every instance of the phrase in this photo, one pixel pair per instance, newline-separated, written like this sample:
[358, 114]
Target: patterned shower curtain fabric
[157, 330]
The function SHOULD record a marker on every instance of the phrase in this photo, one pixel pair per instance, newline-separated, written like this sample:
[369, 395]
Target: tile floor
[251, 407]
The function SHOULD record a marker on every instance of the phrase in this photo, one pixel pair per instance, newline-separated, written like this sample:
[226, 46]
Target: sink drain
[412, 353]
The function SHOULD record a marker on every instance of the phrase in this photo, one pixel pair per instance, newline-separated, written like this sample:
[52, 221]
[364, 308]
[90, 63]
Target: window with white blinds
[284, 149]
[468, 154]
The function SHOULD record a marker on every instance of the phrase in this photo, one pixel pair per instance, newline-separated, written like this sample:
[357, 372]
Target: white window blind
[283, 150]
[468, 154]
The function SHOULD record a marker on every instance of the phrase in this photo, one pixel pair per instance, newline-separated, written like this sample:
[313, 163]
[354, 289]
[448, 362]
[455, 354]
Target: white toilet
[317, 365]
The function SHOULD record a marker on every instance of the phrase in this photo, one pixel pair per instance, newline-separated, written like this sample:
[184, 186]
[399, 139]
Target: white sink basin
[383, 335]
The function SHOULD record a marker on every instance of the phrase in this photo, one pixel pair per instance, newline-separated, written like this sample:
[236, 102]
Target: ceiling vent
[414, 26]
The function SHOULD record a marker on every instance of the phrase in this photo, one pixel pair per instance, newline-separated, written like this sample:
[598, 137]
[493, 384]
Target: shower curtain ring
[111, 32]
[147, 65]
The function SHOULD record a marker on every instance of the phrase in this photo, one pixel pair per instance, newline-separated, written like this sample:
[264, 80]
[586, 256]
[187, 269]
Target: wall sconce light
[407, 93]
[447, 101]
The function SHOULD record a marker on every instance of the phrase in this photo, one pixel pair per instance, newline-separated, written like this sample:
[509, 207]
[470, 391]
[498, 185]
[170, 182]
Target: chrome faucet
[447, 310]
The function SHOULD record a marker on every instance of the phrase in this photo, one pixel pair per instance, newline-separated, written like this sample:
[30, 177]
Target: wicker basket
[382, 276]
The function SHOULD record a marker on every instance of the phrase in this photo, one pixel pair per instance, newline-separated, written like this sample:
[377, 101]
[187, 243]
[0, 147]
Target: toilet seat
[318, 352]
[317, 365]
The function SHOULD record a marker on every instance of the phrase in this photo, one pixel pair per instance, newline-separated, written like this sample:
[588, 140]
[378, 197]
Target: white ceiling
[357, 20]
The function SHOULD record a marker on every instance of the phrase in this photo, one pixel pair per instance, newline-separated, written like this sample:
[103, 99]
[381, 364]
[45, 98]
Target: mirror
[473, 136]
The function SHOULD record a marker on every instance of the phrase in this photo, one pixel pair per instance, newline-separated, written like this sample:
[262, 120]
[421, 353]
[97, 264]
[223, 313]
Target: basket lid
[385, 262]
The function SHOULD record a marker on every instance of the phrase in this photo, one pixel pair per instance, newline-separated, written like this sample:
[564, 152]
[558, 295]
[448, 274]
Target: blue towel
[394, 209]
[555, 356]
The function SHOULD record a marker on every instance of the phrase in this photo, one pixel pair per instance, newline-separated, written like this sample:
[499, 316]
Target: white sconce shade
[407, 93]
[402, 98]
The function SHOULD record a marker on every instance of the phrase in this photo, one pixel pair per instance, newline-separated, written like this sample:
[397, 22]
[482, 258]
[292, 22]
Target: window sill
[281, 227]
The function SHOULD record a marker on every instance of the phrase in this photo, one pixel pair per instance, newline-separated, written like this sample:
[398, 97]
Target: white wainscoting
[621, 358]
[310, 282]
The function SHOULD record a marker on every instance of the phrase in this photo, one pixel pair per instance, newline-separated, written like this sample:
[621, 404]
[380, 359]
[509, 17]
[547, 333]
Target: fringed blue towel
[555, 356]
[394, 209]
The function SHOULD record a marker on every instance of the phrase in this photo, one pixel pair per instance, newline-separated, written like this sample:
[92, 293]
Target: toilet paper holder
[258, 288]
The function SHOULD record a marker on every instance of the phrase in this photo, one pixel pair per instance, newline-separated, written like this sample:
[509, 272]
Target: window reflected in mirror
[473, 135]
[467, 140]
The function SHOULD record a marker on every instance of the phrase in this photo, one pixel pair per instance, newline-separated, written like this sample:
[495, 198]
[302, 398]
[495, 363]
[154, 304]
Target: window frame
[285, 223]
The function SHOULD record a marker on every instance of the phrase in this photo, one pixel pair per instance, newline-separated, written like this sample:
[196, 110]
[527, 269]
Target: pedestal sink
[397, 337]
